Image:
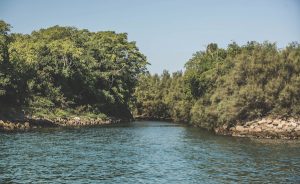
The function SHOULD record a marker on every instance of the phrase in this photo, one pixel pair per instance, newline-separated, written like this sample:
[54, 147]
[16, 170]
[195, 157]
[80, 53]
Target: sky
[168, 32]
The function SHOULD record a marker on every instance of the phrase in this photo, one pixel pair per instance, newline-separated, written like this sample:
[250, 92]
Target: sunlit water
[144, 152]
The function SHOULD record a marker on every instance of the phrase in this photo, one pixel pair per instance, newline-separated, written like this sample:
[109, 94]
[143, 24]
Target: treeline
[225, 86]
[64, 71]
[162, 97]
[60, 71]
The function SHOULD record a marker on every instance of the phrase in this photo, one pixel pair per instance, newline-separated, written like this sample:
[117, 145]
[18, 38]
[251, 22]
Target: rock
[278, 122]
[291, 120]
[288, 129]
[19, 126]
[256, 129]
[76, 118]
[239, 128]
[261, 122]
[279, 130]
[266, 128]
[26, 125]
[269, 121]
[251, 123]
[280, 126]
[22, 127]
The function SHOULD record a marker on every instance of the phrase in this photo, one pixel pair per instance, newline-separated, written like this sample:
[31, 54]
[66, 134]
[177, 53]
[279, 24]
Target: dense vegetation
[225, 86]
[162, 97]
[64, 71]
[61, 71]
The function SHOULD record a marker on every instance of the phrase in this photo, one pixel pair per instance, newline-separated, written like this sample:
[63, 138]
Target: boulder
[279, 130]
[76, 118]
[269, 121]
[256, 129]
[280, 126]
[261, 122]
[239, 128]
[288, 129]
[26, 125]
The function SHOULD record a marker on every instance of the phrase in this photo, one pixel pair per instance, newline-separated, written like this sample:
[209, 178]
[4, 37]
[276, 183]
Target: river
[144, 152]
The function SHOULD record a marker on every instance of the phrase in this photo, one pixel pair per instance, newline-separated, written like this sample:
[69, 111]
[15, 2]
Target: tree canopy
[64, 70]
[59, 68]
[226, 86]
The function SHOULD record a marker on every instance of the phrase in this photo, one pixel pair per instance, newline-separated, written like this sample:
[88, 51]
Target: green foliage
[67, 68]
[226, 86]
[162, 97]
[255, 80]
[64, 71]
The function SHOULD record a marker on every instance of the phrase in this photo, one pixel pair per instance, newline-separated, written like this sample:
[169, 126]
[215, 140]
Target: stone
[269, 121]
[239, 128]
[280, 125]
[288, 129]
[26, 125]
[256, 129]
[18, 125]
[297, 128]
[261, 122]
[291, 120]
[76, 118]
[22, 127]
[231, 129]
[279, 130]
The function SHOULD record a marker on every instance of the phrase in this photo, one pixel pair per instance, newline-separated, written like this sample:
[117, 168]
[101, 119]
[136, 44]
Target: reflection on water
[144, 152]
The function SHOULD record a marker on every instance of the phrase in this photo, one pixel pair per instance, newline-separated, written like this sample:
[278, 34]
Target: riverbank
[34, 123]
[273, 128]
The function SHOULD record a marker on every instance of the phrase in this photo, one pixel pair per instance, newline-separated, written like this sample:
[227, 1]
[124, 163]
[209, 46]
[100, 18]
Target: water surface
[144, 152]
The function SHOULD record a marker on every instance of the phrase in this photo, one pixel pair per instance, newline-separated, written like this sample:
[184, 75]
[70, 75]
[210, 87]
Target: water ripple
[144, 152]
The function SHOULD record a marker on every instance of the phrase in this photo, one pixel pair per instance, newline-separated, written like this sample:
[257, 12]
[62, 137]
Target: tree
[65, 68]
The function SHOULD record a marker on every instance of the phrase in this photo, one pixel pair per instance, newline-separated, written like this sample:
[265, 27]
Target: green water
[144, 152]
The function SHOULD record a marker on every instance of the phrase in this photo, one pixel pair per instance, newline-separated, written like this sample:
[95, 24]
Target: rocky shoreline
[34, 123]
[273, 128]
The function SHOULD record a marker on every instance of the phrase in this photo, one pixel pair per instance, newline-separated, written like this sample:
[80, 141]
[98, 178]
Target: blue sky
[168, 32]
